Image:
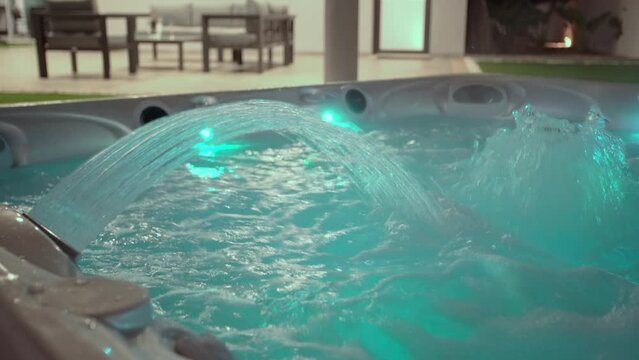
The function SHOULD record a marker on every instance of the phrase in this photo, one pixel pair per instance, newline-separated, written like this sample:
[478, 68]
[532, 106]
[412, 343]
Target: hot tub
[496, 221]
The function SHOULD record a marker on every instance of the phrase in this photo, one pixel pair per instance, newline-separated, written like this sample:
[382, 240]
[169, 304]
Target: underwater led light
[206, 134]
[211, 150]
[332, 117]
[328, 117]
[206, 151]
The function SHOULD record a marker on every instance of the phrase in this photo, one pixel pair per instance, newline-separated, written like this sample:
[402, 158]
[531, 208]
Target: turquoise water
[79, 208]
[271, 246]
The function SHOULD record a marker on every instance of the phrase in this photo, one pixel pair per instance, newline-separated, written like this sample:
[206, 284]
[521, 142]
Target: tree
[584, 27]
[521, 25]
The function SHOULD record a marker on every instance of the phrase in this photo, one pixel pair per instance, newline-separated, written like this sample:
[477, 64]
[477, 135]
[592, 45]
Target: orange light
[567, 40]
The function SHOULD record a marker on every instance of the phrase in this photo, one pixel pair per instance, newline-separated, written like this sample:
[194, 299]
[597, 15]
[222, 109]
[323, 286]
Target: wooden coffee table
[156, 39]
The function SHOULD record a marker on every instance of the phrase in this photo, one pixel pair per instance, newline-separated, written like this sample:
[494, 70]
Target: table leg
[106, 63]
[237, 56]
[74, 61]
[38, 30]
[132, 46]
[288, 54]
[42, 62]
[260, 60]
[155, 51]
[137, 55]
[181, 55]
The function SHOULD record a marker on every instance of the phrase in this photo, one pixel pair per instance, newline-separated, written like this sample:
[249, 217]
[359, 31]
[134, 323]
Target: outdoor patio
[19, 72]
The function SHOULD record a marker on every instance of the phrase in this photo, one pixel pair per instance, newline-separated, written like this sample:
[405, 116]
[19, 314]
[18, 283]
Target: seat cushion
[277, 9]
[255, 8]
[223, 30]
[233, 40]
[83, 42]
[173, 15]
[182, 30]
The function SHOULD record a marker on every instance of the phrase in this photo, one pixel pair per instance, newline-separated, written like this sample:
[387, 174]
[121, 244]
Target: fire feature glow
[567, 43]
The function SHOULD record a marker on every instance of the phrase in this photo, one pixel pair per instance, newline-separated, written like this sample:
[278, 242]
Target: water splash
[550, 180]
[79, 208]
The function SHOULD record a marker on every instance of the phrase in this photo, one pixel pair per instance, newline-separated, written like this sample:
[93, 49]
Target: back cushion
[218, 9]
[254, 7]
[257, 7]
[173, 15]
[277, 9]
[65, 26]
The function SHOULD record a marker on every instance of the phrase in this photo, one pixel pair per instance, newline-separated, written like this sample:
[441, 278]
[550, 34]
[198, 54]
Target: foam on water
[79, 208]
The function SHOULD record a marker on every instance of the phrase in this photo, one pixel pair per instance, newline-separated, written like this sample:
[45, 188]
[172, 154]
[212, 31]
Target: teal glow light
[107, 350]
[328, 117]
[333, 118]
[206, 134]
[19, 219]
[211, 150]
[207, 150]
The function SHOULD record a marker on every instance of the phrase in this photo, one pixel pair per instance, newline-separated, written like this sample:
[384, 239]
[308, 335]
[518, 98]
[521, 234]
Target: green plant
[516, 24]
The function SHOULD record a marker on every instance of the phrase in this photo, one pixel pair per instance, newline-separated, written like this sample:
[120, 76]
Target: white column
[9, 13]
[448, 27]
[341, 40]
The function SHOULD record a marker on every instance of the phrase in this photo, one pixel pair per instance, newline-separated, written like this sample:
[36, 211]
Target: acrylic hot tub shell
[53, 131]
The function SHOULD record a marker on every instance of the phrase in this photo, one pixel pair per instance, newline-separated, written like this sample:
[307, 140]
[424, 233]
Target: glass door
[401, 26]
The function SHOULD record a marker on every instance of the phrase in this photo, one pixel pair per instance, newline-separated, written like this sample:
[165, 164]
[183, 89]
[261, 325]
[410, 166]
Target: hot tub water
[560, 185]
[85, 202]
[276, 251]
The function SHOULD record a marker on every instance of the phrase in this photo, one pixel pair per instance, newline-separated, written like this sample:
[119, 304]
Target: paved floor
[18, 72]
